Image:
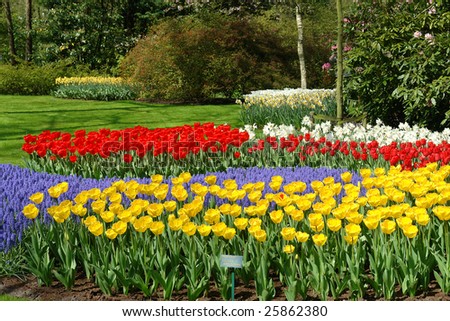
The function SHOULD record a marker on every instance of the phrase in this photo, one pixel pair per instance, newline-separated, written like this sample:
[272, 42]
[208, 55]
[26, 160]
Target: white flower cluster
[278, 131]
[293, 98]
[356, 132]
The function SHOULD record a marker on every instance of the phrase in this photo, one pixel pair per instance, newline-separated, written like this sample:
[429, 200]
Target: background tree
[10, 27]
[28, 30]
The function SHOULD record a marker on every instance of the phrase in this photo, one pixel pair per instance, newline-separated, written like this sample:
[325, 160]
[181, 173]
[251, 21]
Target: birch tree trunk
[9, 22]
[301, 55]
[28, 22]
[340, 66]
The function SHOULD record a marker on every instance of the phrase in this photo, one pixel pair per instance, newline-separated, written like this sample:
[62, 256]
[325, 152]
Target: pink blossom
[417, 34]
[347, 48]
[326, 66]
[429, 37]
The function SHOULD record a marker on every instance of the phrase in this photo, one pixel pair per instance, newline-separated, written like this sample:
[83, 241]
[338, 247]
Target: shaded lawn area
[21, 115]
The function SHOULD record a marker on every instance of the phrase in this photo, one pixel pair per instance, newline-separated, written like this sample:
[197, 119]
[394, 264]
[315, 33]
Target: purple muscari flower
[18, 184]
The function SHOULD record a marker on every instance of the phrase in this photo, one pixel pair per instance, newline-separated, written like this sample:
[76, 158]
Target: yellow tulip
[365, 172]
[214, 189]
[125, 215]
[115, 198]
[212, 216]
[204, 230]
[157, 227]
[219, 228]
[229, 233]
[354, 217]
[259, 186]
[107, 216]
[170, 206]
[371, 222]
[255, 221]
[235, 210]
[161, 191]
[157, 178]
[328, 180]
[319, 239]
[225, 208]
[180, 193]
[322, 208]
[185, 176]
[253, 229]
[316, 185]
[241, 223]
[155, 209]
[275, 185]
[353, 229]
[288, 249]
[79, 210]
[37, 198]
[297, 215]
[211, 179]
[346, 177]
[111, 234]
[189, 228]
[422, 219]
[288, 233]
[276, 216]
[254, 196]
[260, 235]
[30, 211]
[199, 189]
[96, 228]
[140, 225]
[90, 220]
[334, 224]
[176, 224]
[351, 239]
[403, 222]
[410, 231]
[119, 227]
[54, 191]
[230, 184]
[387, 226]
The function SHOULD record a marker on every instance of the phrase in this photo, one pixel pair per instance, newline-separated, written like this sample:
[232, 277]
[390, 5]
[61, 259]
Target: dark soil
[85, 290]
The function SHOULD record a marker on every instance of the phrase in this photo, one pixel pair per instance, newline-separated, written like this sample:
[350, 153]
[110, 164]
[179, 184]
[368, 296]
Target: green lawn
[21, 115]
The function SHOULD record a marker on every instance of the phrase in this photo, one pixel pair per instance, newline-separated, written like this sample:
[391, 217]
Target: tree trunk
[9, 22]
[28, 21]
[340, 66]
[301, 55]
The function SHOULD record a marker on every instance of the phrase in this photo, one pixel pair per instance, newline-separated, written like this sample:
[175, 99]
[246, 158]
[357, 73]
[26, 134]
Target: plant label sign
[231, 261]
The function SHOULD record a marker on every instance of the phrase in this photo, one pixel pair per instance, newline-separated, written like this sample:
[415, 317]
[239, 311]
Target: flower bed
[94, 88]
[287, 106]
[330, 234]
[201, 148]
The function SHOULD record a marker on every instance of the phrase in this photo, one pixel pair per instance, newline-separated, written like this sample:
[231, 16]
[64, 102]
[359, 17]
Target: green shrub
[398, 69]
[203, 56]
[34, 80]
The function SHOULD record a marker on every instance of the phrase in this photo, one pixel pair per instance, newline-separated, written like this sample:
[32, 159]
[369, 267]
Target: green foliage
[398, 68]
[201, 56]
[105, 92]
[34, 80]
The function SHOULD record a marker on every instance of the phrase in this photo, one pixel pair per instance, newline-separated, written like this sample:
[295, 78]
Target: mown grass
[21, 115]
[6, 297]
